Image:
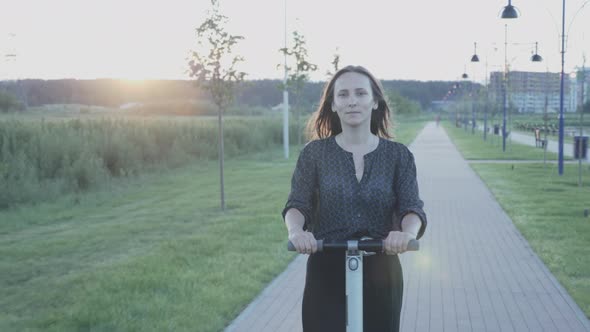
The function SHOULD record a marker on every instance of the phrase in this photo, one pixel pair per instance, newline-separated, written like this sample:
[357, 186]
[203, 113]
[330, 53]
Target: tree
[401, 104]
[299, 74]
[335, 63]
[214, 68]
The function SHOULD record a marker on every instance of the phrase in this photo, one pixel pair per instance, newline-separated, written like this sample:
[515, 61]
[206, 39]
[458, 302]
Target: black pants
[324, 298]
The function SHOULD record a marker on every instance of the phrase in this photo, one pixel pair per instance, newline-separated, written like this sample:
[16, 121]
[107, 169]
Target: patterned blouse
[336, 206]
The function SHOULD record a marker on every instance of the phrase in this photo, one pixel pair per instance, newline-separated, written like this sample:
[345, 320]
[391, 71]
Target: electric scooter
[355, 251]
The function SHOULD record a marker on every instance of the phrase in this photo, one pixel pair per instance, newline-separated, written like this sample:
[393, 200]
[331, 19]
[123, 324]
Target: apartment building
[580, 83]
[529, 91]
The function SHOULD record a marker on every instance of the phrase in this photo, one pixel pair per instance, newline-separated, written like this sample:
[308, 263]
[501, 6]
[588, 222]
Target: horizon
[140, 81]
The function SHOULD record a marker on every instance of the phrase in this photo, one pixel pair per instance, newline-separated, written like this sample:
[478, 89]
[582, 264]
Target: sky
[418, 40]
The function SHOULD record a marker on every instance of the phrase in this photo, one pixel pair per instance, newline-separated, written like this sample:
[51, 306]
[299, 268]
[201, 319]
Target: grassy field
[548, 209]
[406, 128]
[152, 252]
[150, 256]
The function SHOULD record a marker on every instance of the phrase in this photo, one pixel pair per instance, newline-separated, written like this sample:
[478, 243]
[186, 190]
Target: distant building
[581, 80]
[527, 91]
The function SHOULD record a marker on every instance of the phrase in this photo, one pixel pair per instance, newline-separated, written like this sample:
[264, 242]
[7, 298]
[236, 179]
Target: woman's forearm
[411, 223]
[294, 220]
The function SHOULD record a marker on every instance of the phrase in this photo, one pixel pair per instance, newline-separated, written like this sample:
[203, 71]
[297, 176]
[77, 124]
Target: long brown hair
[325, 123]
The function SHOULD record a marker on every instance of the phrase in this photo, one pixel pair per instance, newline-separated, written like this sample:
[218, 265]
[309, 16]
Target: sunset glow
[427, 40]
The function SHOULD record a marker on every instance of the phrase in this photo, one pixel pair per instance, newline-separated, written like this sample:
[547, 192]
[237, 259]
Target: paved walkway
[474, 270]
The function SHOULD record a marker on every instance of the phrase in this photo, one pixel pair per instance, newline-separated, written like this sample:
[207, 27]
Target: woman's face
[353, 99]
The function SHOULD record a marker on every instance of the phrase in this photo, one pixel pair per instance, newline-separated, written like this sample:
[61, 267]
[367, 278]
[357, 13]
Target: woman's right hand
[304, 241]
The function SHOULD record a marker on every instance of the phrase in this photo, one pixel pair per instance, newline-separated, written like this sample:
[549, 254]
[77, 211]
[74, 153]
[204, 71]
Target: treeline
[265, 93]
[99, 92]
[422, 92]
[9, 102]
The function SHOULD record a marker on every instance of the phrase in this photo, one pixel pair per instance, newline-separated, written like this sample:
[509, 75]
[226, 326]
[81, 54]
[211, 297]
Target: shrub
[9, 102]
[41, 160]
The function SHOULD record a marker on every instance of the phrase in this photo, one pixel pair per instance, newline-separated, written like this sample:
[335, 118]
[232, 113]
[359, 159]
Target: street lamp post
[505, 86]
[510, 12]
[580, 143]
[465, 77]
[561, 120]
[285, 98]
[472, 110]
[545, 118]
[475, 58]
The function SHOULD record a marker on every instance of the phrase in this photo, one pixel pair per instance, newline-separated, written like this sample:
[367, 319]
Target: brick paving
[474, 270]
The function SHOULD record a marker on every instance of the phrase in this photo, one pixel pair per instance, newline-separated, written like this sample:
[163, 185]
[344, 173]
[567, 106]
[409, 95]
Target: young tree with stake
[299, 73]
[214, 68]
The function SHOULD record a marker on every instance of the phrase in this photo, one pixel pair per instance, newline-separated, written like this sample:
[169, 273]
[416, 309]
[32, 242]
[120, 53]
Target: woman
[352, 182]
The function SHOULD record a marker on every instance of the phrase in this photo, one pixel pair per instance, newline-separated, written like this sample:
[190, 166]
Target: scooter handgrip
[320, 244]
[290, 246]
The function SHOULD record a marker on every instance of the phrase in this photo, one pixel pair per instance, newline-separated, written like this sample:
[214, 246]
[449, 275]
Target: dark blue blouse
[336, 206]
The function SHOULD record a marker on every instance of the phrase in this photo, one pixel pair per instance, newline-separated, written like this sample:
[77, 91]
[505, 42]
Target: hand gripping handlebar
[364, 245]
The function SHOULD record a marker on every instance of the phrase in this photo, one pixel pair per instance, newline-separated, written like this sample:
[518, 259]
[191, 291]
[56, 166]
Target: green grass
[549, 211]
[406, 128]
[150, 253]
[473, 147]
[153, 255]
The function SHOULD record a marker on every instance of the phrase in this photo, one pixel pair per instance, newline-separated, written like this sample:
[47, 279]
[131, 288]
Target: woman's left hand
[397, 242]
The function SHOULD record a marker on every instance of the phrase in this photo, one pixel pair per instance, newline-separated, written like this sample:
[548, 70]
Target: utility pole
[546, 118]
[485, 110]
[505, 84]
[561, 115]
[581, 138]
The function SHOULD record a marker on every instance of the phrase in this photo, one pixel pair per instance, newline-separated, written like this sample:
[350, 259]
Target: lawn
[406, 128]
[152, 252]
[152, 255]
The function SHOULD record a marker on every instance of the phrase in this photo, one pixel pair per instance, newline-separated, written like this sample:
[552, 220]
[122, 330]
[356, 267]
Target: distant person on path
[437, 119]
[352, 182]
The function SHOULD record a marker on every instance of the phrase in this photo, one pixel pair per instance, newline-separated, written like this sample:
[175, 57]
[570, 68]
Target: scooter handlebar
[365, 245]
